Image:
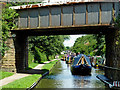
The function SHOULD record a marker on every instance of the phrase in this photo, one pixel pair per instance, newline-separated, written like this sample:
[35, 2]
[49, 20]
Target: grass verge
[5, 74]
[49, 65]
[32, 65]
[26, 82]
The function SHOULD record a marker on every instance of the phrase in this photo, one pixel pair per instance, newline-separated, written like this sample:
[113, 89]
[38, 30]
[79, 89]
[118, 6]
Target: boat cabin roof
[78, 57]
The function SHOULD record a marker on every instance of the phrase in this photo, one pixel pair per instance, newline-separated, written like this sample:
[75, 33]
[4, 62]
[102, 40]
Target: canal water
[61, 77]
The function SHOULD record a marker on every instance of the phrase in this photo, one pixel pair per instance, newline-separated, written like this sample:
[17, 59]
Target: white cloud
[72, 40]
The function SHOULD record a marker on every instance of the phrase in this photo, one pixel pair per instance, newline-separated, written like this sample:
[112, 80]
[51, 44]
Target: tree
[100, 44]
[90, 44]
[85, 44]
[51, 45]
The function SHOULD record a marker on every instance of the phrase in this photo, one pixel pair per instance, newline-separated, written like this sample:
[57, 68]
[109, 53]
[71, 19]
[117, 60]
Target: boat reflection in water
[81, 65]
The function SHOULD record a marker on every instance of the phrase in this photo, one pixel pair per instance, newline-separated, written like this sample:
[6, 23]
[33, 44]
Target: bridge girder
[93, 29]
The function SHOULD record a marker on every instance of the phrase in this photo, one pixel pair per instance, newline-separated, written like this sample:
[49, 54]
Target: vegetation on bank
[36, 58]
[26, 82]
[47, 46]
[49, 65]
[5, 74]
[90, 44]
[32, 65]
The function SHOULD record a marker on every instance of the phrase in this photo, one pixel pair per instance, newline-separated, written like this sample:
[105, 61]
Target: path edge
[45, 74]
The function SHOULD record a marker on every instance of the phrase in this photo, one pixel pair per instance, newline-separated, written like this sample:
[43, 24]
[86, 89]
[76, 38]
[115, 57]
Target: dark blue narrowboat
[81, 65]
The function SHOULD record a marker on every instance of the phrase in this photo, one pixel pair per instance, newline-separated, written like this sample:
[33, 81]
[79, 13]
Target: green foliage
[90, 44]
[32, 65]
[49, 65]
[100, 44]
[38, 56]
[117, 24]
[50, 45]
[5, 74]
[25, 82]
[8, 16]
[30, 57]
[61, 56]
[51, 57]
[85, 44]
[43, 57]
[67, 48]
[117, 21]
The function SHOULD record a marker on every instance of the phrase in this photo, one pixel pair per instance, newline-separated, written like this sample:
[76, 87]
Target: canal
[61, 77]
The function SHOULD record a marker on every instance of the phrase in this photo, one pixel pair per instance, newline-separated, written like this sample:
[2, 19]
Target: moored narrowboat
[98, 61]
[68, 60]
[81, 65]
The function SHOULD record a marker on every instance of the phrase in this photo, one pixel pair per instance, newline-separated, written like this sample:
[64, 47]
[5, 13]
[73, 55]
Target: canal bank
[17, 80]
[43, 75]
[61, 77]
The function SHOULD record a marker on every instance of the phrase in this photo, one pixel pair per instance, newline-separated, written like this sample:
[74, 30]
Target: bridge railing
[69, 15]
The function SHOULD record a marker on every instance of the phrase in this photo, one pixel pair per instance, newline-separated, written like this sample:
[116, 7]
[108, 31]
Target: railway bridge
[68, 19]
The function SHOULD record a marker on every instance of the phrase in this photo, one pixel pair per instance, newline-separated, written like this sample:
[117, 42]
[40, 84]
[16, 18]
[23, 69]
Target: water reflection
[61, 77]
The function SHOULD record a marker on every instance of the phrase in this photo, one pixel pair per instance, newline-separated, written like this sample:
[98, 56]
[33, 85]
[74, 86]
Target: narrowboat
[98, 61]
[81, 65]
[68, 60]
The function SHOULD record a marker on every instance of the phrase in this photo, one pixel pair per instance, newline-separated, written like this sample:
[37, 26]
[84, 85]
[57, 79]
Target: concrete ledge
[107, 81]
[104, 79]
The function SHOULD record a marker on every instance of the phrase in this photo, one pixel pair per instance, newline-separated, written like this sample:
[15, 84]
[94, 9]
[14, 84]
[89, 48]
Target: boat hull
[81, 70]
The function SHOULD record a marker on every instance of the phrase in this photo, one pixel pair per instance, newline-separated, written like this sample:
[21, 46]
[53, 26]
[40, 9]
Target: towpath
[17, 76]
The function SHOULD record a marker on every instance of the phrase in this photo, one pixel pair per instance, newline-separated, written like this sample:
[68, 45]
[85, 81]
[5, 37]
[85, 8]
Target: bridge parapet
[72, 15]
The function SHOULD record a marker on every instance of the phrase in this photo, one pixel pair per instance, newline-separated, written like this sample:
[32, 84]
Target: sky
[72, 40]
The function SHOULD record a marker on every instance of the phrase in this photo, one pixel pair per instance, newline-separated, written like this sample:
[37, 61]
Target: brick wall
[8, 61]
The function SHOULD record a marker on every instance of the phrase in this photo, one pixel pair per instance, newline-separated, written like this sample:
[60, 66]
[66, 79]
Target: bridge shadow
[35, 71]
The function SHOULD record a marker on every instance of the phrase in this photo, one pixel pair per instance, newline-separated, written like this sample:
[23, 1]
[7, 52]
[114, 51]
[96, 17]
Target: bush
[30, 57]
[39, 56]
[43, 57]
[51, 57]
